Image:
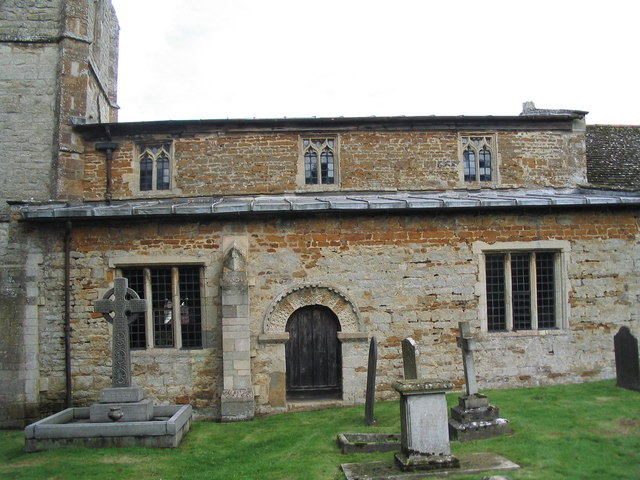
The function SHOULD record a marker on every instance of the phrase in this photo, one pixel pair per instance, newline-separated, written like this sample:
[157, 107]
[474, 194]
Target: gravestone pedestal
[474, 418]
[423, 416]
[121, 403]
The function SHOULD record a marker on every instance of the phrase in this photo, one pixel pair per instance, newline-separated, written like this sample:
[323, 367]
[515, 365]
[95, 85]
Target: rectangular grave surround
[72, 428]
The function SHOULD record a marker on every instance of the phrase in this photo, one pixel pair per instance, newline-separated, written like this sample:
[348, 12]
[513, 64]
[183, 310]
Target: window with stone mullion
[319, 161]
[477, 158]
[520, 291]
[155, 167]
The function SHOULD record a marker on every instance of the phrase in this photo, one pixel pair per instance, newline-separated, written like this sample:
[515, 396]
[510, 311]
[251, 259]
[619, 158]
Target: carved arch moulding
[281, 308]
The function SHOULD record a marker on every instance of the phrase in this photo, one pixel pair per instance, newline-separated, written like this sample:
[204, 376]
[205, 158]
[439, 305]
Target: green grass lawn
[589, 431]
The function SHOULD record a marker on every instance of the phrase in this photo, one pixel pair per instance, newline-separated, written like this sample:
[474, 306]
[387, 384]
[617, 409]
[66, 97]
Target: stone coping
[420, 386]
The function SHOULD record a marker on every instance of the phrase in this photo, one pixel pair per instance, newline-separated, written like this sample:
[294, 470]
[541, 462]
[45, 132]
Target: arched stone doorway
[313, 354]
[352, 340]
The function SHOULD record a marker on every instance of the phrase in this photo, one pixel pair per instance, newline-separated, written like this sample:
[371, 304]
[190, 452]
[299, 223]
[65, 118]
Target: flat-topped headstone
[124, 305]
[371, 383]
[410, 359]
[627, 360]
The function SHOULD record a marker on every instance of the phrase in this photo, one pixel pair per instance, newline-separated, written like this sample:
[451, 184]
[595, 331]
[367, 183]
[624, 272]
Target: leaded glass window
[155, 167]
[521, 290]
[319, 161]
[174, 318]
[478, 153]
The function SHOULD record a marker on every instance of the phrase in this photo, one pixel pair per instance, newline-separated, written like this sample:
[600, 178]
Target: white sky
[202, 59]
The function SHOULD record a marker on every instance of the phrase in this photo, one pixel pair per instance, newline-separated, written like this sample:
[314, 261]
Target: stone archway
[275, 319]
[351, 335]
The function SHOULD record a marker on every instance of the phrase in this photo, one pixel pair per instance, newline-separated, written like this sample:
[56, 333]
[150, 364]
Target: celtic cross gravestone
[124, 305]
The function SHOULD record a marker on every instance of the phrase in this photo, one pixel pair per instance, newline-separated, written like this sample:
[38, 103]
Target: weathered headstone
[473, 418]
[410, 359]
[627, 360]
[371, 383]
[123, 309]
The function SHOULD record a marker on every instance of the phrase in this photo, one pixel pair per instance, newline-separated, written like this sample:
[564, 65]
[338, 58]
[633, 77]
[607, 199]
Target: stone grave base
[414, 463]
[368, 442]
[72, 428]
[474, 419]
[388, 470]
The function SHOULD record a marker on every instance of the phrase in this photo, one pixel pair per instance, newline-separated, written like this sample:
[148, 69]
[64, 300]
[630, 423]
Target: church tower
[58, 67]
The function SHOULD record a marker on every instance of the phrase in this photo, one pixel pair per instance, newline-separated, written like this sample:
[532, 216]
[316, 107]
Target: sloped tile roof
[613, 156]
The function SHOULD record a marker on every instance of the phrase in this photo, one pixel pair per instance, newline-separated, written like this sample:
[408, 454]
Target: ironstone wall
[261, 163]
[408, 275]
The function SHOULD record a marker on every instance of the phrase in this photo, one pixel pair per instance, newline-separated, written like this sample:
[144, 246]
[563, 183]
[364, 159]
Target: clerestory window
[174, 318]
[478, 158]
[320, 160]
[155, 167]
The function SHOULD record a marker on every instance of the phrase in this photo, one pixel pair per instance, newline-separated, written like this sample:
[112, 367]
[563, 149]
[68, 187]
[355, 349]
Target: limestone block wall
[210, 163]
[35, 19]
[27, 120]
[406, 275]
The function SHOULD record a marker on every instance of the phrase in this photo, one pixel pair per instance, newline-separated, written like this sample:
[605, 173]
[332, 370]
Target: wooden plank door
[313, 354]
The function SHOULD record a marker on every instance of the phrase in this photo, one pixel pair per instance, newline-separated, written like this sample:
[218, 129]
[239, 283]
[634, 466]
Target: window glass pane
[190, 315]
[496, 318]
[162, 172]
[162, 307]
[546, 290]
[137, 328]
[469, 165]
[146, 173]
[484, 160]
[311, 168]
[521, 291]
[326, 160]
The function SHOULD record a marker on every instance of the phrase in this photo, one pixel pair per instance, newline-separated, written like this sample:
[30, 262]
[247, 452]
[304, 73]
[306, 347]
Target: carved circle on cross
[131, 294]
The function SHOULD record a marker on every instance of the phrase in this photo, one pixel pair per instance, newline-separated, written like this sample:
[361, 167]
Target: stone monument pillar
[237, 402]
[473, 418]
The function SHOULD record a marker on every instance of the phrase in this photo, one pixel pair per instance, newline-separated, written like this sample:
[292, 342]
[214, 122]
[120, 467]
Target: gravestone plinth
[128, 401]
[424, 443]
[474, 417]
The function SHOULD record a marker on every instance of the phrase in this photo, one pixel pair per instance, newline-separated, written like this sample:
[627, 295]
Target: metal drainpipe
[108, 148]
[67, 313]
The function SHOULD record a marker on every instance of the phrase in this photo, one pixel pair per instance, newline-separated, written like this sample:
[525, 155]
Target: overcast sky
[203, 59]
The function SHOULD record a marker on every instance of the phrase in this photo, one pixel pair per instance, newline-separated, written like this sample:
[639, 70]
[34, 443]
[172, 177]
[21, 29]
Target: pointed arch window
[478, 158]
[320, 159]
[155, 167]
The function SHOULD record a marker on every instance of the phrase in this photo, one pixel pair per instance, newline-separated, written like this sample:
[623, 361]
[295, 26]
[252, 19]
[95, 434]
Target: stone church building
[271, 251]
